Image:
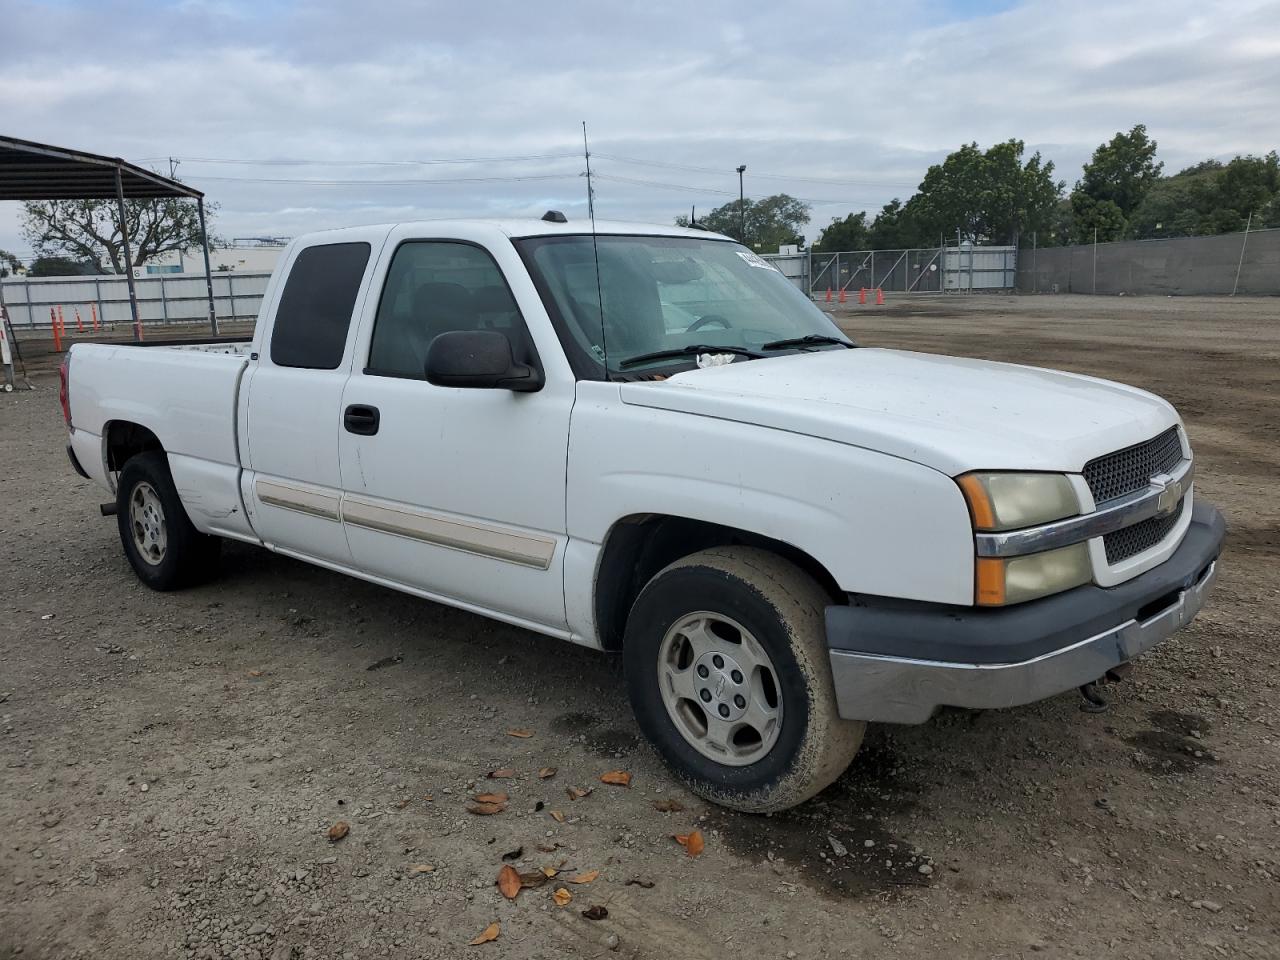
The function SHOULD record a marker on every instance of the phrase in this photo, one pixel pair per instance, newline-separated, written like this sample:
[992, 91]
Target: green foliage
[771, 222]
[1211, 198]
[990, 197]
[89, 230]
[850, 233]
[9, 264]
[62, 267]
[1121, 172]
[897, 227]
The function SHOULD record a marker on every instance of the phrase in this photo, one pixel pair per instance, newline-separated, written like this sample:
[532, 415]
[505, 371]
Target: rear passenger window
[315, 308]
[433, 287]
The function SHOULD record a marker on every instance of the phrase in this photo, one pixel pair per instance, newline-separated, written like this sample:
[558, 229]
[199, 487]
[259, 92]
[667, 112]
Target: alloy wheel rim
[720, 688]
[146, 520]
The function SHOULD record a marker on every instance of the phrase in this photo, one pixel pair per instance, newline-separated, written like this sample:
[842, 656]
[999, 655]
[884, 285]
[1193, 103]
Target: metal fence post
[164, 298]
[1243, 243]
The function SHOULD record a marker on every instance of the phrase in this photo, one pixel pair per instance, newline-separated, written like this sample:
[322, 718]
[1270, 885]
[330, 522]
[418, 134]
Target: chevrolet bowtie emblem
[1170, 494]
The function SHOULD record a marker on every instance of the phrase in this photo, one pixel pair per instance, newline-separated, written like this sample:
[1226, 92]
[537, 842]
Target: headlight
[1002, 581]
[1007, 501]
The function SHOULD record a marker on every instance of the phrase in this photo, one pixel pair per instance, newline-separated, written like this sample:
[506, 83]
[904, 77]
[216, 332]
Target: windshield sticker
[755, 260]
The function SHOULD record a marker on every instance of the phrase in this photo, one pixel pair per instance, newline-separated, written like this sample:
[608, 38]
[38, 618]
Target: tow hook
[1094, 701]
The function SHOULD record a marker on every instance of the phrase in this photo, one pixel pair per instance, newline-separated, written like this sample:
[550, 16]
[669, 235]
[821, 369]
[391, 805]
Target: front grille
[1132, 468]
[1131, 541]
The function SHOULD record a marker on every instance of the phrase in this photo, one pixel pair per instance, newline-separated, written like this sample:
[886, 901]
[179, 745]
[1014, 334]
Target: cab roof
[517, 228]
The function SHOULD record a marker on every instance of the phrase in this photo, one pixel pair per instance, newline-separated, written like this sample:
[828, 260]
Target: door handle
[362, 419]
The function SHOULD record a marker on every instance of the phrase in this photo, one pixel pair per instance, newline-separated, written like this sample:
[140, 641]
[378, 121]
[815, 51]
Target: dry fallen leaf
[548, 848]
[595, 912]
[549, 872]
[562, 896]
[417, 868]
[255, 673]
[338, 831]
[490, 798]
[577, 793]
[585, 877]
[487, 934]
[667, 805]
[546, 773]
[557, 816]
[502, 773]
[534, 878]
[692, 842]
[509, 881]
[520, 732]
[619, 778]
[485, 809]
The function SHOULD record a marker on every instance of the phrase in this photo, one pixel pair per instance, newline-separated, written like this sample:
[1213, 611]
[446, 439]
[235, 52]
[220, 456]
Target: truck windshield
[663, 294]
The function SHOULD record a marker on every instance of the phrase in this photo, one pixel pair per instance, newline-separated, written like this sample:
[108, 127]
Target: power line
[687, 188]
[758, 176]
[365, 163]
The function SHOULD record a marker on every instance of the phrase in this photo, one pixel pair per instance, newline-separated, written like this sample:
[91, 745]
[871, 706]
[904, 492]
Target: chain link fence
[1231, 263]
[918, 270]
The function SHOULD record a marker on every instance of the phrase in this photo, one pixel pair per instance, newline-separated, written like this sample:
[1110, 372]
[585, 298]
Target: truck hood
[950, 413]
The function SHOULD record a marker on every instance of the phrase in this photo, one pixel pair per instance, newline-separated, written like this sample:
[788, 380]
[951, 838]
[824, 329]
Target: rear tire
[164, 548]
[729, 676]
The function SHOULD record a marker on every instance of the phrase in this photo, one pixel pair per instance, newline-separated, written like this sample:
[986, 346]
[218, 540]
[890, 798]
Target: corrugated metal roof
[39, 171]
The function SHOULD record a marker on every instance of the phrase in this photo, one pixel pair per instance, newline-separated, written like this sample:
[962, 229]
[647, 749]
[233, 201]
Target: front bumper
[898, 661]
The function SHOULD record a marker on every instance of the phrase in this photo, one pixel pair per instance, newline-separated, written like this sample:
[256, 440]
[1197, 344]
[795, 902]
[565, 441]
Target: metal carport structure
[39, 171]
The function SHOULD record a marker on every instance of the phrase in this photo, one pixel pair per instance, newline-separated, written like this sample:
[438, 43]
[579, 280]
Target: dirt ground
[172, 763]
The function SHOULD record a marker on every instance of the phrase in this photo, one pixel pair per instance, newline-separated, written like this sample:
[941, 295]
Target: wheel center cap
[722, 686]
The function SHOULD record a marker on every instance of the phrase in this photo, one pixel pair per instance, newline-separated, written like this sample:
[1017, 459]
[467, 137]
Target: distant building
[242, 255]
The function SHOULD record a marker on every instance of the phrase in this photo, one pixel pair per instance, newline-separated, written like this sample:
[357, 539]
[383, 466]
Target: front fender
[879, 524]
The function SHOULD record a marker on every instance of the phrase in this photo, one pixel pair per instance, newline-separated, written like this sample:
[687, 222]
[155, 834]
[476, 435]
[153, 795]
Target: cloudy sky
[326, 112]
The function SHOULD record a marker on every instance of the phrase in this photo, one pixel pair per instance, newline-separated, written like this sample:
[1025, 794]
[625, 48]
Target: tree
[62, 267]
[9, 264]
[772, 222]
[897, 227]
[849, 233]
[88, 229]
[987, 196]
[1211, 197]
[1122, 171]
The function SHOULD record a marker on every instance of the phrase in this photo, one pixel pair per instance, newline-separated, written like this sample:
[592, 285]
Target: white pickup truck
[645, 439]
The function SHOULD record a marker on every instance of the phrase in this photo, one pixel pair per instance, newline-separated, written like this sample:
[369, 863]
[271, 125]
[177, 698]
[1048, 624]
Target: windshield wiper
[811, 339]
[689, 351]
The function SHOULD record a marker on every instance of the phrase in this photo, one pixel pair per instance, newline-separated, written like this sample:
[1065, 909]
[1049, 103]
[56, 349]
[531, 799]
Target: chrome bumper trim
[1162, 496]
[896, 690]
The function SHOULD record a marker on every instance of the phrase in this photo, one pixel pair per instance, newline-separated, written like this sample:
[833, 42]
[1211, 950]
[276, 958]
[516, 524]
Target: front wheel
[729, 676]
[165, 550]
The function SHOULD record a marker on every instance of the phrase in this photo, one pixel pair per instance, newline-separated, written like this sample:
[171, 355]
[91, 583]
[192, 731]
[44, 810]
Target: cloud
[818, 90]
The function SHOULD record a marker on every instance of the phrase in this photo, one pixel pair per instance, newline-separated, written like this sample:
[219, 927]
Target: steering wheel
[709, 318]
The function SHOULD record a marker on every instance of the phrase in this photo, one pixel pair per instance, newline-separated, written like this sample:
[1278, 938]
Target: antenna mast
[595, 251]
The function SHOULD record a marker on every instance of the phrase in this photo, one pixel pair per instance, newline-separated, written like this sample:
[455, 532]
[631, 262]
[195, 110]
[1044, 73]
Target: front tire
[729, 675]
[164, 548]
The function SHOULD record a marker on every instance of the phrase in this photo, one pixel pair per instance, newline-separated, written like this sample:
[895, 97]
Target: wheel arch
[639, 545]
[122, 439]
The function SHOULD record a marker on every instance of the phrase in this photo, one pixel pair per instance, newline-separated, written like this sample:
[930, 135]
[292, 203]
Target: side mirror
[478, 359]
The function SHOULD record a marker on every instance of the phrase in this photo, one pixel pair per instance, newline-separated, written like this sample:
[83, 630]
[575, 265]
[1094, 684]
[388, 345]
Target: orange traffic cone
[879, 297]
[828, 294]
[843, 297]
[862, 295]
[79, 322]
[53, 323]
[93, 313]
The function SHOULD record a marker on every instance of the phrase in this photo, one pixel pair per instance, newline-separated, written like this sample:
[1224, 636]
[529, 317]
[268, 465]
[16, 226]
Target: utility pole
[742, 206]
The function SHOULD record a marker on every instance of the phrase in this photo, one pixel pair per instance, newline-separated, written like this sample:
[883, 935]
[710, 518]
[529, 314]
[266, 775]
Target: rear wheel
[729, 676]
[165, 550]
